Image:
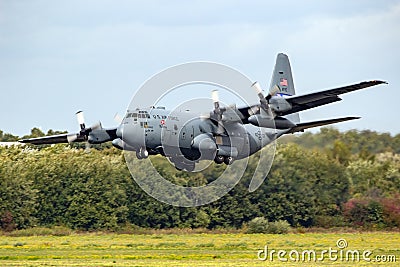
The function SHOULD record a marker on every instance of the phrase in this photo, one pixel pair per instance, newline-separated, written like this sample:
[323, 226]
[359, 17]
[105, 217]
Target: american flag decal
[283, 82]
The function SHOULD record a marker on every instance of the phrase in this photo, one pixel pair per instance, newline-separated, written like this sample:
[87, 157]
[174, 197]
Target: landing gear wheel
[138, 154]
[219, 159]
[228, 160]
[142, 153]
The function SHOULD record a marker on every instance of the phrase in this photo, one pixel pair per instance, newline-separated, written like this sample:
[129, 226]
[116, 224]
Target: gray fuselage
[185, 134]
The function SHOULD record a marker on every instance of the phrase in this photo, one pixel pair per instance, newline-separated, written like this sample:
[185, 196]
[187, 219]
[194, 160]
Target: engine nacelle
[279, 104]
[118, 143]
[206, 145]
[276, 123]
[99, 136]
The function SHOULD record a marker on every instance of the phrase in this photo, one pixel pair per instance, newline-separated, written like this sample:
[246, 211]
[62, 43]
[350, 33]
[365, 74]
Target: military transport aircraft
[226, 134]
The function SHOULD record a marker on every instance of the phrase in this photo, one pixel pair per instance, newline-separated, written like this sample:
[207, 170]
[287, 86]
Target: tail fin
[282, 77]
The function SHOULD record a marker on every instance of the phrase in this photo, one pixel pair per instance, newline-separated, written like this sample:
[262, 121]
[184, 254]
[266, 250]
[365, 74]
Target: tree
[6, 137]
[340, 152]
[17, 195]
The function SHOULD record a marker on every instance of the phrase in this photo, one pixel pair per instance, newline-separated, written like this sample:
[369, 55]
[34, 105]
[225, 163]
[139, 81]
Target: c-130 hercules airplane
[226, 134]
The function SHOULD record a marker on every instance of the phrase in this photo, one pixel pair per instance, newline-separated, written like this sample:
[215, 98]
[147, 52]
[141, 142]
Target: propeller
[84, 132]
[217, 112]
[264, 101]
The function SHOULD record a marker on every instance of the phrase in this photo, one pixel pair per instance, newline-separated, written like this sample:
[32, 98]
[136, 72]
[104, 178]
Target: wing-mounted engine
[279, 104]
[91, 135]
[223, 134]
[206, 145]
[270, 107]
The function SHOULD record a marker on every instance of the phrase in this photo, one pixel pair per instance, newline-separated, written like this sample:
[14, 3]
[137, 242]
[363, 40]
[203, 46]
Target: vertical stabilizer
[282, 77]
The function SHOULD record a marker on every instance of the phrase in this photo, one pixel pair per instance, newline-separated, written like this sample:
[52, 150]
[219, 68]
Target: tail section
[282, 77]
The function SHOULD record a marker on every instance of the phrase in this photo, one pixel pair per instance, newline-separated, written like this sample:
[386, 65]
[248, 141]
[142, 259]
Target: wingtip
[380, 82]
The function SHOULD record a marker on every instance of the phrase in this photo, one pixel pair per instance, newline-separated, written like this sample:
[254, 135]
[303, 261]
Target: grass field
[194, 249]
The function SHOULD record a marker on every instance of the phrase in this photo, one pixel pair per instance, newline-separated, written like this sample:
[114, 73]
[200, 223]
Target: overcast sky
[57, 57]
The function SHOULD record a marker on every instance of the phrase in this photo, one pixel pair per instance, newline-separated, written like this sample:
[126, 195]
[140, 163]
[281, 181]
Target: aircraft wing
[53, 139]
[307, 101]
[300, 127]
[94, 136]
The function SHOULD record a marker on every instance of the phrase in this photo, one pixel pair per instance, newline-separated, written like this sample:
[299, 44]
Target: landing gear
[219, 159]
[142, 153]
[228, 160]
[222, 159]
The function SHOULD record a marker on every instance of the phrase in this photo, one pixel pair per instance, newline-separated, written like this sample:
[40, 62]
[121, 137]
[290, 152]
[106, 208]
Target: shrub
[378, 212]
[7, 222]
[391, 211]
[278, 227]
[258, 225]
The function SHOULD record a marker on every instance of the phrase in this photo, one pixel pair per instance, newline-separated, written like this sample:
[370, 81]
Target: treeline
[337, 183]
[356, 142]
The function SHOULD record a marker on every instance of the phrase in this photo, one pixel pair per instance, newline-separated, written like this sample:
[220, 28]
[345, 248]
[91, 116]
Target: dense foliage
[325, 179]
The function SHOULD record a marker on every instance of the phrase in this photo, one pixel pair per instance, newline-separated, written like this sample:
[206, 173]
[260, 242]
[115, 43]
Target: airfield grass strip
[182, 250]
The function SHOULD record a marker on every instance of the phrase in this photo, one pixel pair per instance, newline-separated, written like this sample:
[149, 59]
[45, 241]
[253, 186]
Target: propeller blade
[217, 112]
[72, 138]
[117, 118]
[87, 147]
[257, 87]
[274, 90]
[265, 109]
[81, 119]
[96, 126]
[263, 101]
[215, 98]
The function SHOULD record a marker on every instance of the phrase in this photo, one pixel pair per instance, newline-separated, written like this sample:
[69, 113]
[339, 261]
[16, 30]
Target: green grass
[185, 249]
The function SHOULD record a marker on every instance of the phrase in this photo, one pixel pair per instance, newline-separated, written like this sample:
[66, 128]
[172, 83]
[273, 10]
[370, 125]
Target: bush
[326, 221]
[42, 231]
[258, 225]
[391, 211]
[278, 227]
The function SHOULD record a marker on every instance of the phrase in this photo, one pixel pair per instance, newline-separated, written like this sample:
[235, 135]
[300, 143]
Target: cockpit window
[133, 115]
[143, 114]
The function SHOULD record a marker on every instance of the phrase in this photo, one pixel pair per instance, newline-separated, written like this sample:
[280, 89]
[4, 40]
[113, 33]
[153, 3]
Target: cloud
[92, 55]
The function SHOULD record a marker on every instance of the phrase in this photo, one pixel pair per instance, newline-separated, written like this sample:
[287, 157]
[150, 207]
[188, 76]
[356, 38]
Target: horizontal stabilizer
[302, 126]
